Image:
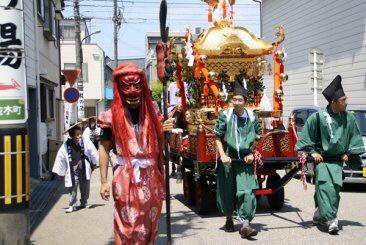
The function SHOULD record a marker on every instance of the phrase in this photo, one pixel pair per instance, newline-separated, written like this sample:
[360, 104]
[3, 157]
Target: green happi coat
[339, 134]
[236, 183]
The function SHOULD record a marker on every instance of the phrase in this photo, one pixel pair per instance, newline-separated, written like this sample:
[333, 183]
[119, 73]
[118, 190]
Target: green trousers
[327, 188]
[236, 186]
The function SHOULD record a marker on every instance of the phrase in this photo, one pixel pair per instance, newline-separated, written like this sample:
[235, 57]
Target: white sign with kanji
[13, 86]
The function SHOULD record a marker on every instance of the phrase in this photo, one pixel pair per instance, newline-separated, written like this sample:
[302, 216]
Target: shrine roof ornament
[225, 40]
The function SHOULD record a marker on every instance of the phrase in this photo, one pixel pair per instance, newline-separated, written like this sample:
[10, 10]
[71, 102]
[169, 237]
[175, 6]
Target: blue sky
[142, 16]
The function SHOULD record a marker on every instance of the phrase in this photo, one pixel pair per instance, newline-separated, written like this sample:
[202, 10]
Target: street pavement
[291, 225]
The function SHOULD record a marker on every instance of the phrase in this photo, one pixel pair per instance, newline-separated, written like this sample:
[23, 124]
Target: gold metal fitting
[222, 96]
[284, 77]
[280, 54]
[212, 74]
[278, 93]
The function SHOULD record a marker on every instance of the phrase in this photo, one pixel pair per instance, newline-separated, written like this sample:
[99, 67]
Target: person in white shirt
[92, 132]
[75, 160]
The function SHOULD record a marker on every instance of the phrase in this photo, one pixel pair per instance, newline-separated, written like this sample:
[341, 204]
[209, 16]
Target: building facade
[42, 58]
[93, 67]
[337, 29]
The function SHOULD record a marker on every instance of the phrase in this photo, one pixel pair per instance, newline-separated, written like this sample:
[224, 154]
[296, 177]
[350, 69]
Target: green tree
[157, 90]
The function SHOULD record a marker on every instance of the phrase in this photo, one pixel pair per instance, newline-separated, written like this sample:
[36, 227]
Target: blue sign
[109, 93]
[71, 95]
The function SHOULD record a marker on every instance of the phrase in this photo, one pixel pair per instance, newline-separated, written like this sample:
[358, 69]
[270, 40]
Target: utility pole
[117, 21]
[79, 60]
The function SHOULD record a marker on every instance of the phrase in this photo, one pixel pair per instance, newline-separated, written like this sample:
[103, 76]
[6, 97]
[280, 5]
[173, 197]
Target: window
[47, 102]
[68, 33]
[49, 24]
[40, 9]
[57, 32]
[69, 66]
[96, 57]
[51, 108]
[90, 111]
[53, 20]
[43, 103]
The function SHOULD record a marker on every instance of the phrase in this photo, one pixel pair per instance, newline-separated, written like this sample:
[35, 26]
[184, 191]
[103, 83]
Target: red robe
[138, 202]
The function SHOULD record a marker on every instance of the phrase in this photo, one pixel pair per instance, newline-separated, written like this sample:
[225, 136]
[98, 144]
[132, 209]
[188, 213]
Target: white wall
[42, 58]
[29, 44]
[94, 56]
[335, 27]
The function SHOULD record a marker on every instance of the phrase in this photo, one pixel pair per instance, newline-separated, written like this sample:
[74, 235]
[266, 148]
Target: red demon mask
[131, 89]
[130, 81]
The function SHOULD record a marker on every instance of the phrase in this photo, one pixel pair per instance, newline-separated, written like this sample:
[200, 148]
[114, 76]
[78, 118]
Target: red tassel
[209, 17]
[205, 89]
[217, 107]
[224, 9]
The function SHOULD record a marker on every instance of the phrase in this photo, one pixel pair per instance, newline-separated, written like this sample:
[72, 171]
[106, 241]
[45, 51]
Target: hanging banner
[81, 113]
[67, 113]
[13, 86]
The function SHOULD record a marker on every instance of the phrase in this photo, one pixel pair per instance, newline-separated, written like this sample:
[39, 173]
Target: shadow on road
[40, 208]
[41, 214]
[358, 188]
[110, 242]
[349, 223]
[341, 223]
[91, 207]
[96, 205]
[211, 212]
[262, 207]
[181, 223]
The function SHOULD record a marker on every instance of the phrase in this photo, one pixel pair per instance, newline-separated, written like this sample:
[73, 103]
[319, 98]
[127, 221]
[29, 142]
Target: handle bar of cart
[273, 163]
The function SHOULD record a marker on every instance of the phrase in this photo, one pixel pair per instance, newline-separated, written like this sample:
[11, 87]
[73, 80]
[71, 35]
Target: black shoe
[229, 226]
[248, 231]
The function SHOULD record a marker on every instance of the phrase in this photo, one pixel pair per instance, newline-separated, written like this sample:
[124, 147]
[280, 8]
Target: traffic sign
[71, 75]
[71, 95]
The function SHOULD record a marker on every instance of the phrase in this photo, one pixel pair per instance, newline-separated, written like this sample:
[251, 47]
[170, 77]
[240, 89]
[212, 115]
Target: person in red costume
[133, 129]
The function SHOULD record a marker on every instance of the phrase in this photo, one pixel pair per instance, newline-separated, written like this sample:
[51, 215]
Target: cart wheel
[188, 187]
[277, 199]
[201, 196]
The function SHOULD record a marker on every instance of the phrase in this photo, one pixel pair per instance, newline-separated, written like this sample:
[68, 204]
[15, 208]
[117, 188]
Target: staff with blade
[165, 68]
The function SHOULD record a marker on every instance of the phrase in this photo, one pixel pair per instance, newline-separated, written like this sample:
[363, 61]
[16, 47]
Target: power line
[158, 2]
[153, 13]
[144, 3]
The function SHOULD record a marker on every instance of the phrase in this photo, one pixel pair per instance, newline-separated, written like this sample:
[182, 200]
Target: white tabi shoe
[333, 227]
[70, 209]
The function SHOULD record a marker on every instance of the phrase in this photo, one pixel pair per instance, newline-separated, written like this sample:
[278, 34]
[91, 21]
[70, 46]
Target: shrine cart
[209, 65]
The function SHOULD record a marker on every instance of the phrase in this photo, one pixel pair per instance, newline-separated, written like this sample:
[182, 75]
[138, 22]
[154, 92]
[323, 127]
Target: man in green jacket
[332, 137]
[236, 130]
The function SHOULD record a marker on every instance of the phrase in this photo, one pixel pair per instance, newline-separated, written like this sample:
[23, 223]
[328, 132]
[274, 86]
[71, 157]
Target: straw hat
[72, 126]
[86, 119]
